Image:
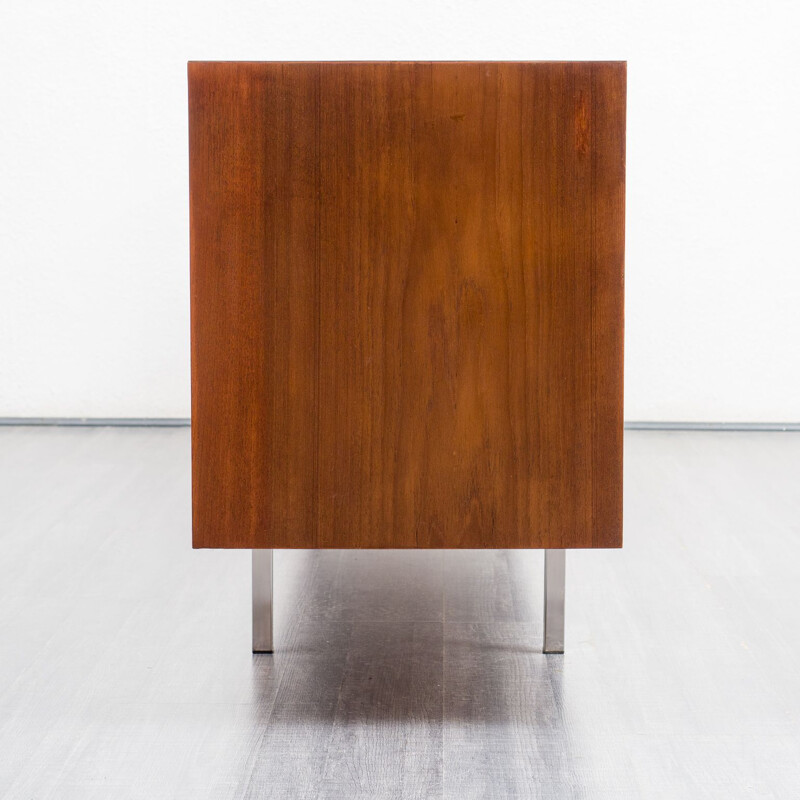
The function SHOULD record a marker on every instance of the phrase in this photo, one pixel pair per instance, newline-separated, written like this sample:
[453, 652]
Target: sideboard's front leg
[262, 601]
[554, 584]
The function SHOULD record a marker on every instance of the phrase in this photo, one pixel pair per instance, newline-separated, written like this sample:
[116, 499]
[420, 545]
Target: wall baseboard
[712, 426]
[100, 422]
[184, 422]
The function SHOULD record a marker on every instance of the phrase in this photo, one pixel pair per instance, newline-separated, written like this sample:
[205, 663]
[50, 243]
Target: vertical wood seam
[317, 301]
[592, 343]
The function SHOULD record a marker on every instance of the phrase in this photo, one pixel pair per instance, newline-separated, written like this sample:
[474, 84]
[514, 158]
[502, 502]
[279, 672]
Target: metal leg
[554, 584]
[262, 601]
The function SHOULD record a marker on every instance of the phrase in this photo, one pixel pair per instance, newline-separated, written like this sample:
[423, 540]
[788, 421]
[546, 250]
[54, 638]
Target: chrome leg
[554, 584]
[262, 601]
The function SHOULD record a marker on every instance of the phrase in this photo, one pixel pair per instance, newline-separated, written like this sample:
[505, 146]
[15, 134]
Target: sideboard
[407, 309]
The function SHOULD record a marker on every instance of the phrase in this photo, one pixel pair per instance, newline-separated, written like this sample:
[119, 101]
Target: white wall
[93, 183]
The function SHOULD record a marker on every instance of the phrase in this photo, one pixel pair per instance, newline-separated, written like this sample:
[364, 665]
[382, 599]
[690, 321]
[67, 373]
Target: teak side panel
[407, 288]
[254, 298]
[608, 301]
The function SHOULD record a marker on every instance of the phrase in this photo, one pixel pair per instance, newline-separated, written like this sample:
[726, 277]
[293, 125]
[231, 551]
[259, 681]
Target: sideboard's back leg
[262, 601]
[554, 584]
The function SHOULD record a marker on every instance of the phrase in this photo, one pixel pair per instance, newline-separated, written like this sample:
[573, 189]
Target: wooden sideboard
[407, 304]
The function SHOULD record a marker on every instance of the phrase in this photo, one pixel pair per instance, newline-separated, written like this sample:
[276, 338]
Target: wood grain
[407, 299]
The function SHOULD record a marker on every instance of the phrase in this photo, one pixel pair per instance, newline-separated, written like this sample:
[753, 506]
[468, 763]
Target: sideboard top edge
[367, 62]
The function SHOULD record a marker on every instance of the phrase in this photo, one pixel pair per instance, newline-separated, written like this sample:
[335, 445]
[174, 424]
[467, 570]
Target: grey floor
[125, 669]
